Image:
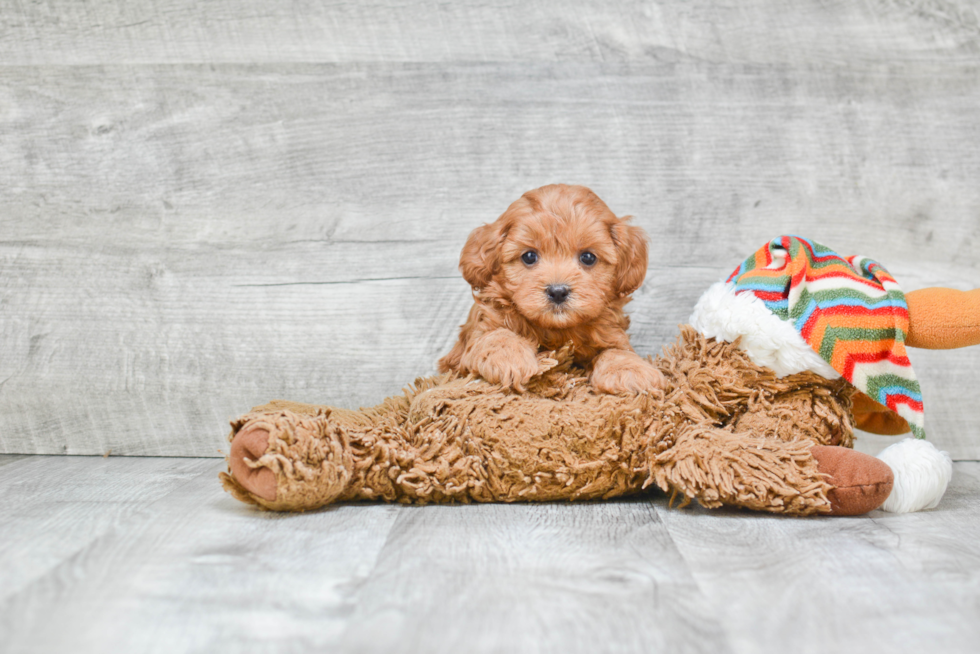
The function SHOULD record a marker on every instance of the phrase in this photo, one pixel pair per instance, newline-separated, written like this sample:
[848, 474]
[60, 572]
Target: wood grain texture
[137, 563]
[180, 31]
[877, 583]
[531, 578]
[194, 224]
[150, 555]
[55, 508]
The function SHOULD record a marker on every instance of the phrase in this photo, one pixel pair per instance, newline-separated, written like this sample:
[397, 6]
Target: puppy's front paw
[621, 371]
[502, 357]
[512, 369]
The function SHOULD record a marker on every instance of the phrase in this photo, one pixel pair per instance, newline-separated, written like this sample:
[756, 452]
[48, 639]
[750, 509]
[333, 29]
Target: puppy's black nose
[558, 293]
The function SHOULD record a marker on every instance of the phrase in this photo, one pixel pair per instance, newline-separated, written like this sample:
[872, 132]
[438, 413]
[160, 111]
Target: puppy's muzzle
[558, 293]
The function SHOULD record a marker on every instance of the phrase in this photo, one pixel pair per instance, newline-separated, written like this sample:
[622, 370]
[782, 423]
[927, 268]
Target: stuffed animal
[754, 406]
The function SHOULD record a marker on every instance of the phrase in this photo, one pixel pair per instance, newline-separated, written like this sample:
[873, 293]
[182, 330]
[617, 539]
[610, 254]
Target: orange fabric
[870, 416]
[943, 318]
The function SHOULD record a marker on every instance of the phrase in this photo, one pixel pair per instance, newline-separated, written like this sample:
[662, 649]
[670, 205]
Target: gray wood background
[204, 206]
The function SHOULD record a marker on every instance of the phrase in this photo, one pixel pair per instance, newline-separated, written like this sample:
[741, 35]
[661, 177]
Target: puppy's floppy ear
[631, 250]
[480, 257]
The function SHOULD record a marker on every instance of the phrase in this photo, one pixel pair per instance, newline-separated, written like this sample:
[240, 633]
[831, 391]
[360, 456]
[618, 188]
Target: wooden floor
[150, 555]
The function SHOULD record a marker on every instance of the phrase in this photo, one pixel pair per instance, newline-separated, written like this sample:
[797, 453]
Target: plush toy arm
[939, 319]
[943, 318]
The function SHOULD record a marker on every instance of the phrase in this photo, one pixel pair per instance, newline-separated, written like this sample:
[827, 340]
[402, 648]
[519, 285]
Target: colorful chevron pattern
[848, 309]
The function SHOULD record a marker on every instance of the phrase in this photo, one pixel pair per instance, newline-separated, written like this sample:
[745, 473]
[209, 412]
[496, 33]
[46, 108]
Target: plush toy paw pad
[861, 482]
[251, 444]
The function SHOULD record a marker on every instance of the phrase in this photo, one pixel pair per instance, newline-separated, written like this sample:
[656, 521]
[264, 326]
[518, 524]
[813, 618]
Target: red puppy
[557, 267]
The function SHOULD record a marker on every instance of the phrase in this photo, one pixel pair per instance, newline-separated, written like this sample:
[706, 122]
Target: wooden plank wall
[204, 206]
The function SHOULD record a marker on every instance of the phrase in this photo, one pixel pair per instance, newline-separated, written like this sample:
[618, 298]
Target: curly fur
[722, 431]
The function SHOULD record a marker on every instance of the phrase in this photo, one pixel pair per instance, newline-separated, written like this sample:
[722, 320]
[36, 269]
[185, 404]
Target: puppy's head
[558, 254]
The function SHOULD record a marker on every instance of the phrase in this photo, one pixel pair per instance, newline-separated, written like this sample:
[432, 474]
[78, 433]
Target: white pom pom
[922, 473]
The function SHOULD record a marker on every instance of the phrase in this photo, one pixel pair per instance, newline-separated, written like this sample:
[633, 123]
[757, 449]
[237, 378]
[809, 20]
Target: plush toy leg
[711, 465]
[943, 318]
[861, 483]
[284, 460]
[717, 467]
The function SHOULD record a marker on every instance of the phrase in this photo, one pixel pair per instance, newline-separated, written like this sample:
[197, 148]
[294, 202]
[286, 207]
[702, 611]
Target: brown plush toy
[724, 431]
[746, 413]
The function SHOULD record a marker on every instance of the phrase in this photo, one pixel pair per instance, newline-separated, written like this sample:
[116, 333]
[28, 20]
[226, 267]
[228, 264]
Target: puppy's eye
[587, 259]
[530, 257]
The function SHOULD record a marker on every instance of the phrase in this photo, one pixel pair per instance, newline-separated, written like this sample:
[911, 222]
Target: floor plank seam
[659, 508]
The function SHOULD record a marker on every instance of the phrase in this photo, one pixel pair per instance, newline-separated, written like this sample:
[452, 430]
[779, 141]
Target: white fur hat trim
[768, 340]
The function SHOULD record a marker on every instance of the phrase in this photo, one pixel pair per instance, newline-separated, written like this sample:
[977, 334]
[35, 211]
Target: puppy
[557, 267]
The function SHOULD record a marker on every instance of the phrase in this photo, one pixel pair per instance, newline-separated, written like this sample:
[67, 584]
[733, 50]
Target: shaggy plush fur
[556, 268]
[723, 430]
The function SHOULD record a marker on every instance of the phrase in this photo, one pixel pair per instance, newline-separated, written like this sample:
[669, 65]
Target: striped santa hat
[798, 305]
